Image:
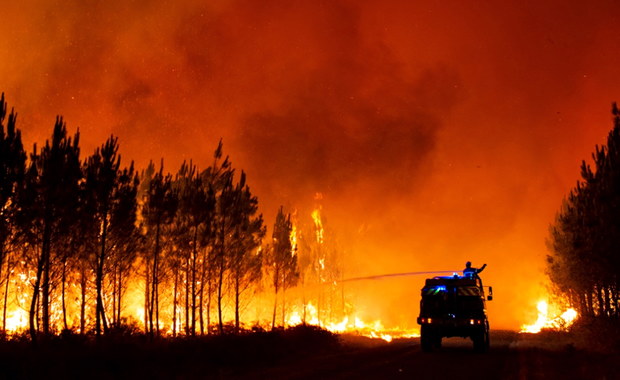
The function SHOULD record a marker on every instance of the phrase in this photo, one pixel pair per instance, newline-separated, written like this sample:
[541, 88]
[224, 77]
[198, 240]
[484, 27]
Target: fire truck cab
[454, 306]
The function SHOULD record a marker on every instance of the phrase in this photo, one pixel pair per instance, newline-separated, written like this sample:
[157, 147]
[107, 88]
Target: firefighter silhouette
[471, 272]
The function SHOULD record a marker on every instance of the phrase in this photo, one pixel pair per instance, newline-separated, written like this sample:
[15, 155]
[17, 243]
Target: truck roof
[455, 280]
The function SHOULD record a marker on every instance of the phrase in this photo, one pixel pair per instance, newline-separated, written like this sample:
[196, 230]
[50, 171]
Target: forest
[80, 237]
[584, 241]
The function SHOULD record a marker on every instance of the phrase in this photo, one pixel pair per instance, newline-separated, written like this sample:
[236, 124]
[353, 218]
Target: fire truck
[454, 306]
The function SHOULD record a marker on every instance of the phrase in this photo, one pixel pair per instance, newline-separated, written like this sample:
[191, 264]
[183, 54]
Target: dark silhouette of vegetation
[583, 264]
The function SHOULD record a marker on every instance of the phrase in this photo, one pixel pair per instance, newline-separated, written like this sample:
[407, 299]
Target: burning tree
[282, 260]
[76, 222]
[48, 202]
[12, 167]
[160, 206]
[123, 239]
[192, 228]
[111, 193]
[320, 267]
[93, 231]
[245, 257]
[215, 177]
[238, 232]
[325, 265]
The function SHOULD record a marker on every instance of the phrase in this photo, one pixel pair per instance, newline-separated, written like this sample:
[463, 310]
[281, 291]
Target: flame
[351, 325]
[318, 301]
[17, 317]
[293, 238]
[318, 224]
[17, 320]
[561, 322]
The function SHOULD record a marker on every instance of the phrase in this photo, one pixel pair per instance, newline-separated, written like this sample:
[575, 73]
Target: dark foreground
[512, 356]
[308, 354]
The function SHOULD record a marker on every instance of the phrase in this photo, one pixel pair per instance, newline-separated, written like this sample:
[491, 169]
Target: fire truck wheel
[427, 339]
[481, 340]
[487, 340]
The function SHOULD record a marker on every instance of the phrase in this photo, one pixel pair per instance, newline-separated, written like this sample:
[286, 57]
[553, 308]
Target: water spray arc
[389, 275]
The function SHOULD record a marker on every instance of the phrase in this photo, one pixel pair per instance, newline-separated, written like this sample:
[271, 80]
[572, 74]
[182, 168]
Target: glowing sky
[437, 131]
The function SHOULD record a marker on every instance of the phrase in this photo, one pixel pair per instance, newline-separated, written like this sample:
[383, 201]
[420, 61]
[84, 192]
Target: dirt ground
[308, 353]
[511, 356]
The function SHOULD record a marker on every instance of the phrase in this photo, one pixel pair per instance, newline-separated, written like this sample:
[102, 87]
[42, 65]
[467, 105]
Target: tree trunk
[119, 303]
[155, 281]
[283, 307]
[275, 308]
[193, 287]
[2, 255]
[83, 284]
[156, 304]
[114, 322]
[275, 301]
[187, 290]
[45, 296]
[148, 326]
[209, 299]
[201, 297]
[100, 312]
[174, 303]
[32, 317]
[219, 295]
[6, 291]
[64, 305]
[220, 282]
[237, 303]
